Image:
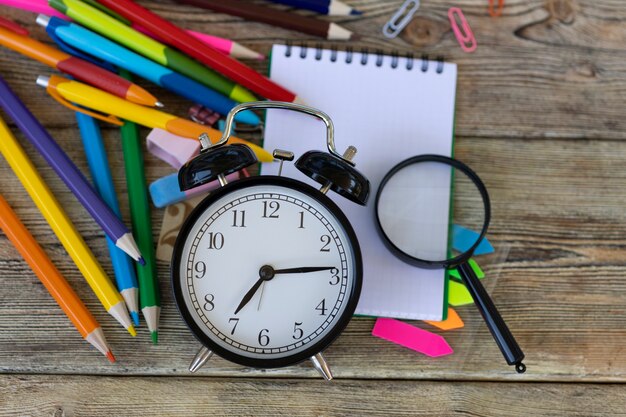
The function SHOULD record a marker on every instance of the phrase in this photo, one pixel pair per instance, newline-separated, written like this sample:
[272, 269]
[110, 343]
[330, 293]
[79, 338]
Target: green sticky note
[479, 272]
[458, 295]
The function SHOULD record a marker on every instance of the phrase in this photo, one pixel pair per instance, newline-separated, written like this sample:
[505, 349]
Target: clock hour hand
[303, 269]
[246, 298]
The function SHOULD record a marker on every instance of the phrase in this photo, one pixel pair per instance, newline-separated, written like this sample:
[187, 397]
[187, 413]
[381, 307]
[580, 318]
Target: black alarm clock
[267, 270]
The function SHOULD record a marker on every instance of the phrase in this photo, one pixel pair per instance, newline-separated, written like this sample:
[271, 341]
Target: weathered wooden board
[545, 73]
[74, 396]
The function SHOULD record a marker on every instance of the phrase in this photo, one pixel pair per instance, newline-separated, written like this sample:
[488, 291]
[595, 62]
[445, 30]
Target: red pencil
[178, 38]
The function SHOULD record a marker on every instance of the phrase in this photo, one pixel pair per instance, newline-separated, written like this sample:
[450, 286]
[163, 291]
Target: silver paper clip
[401, 18]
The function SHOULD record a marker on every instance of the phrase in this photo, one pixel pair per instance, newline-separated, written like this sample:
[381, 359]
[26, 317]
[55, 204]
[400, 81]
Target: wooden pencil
[51, 278]
[269, 15]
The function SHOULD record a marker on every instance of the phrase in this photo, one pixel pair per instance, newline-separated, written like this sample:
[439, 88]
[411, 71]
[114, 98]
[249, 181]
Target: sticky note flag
[463, 239]
[458, 295]
[477, 270]
[452, 322]
[411, 337]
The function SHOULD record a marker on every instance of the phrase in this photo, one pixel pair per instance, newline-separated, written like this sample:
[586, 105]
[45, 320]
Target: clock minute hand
[303, 269]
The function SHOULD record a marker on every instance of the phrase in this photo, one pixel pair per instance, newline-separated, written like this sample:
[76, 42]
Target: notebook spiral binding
[365, 54]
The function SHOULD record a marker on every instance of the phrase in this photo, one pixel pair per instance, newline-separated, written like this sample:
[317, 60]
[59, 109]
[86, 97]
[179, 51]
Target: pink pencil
[226, 46]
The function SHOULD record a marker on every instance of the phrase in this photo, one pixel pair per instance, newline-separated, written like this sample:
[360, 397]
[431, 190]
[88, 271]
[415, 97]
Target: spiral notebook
[390, 108]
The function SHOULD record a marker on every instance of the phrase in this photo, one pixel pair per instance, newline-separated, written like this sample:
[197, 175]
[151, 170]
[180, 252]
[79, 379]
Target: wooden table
[540, 116]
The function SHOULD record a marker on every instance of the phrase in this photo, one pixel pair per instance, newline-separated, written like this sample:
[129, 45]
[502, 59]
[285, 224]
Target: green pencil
[149, 297]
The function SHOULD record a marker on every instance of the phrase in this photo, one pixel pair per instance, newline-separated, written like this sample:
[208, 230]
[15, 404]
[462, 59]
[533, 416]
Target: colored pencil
[327, 7]
[226, 46]
[149, 295]
[73, 243]
[112, 28]
[178, 38]
[287, 20]
[51, 278]
[86, 41]
[103, 102]
[67, 171]
[98, 162]
[76, 67]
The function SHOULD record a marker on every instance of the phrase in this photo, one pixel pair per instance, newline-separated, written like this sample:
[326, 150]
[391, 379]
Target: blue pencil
[72, 37]
[328, 7]
[98, 162]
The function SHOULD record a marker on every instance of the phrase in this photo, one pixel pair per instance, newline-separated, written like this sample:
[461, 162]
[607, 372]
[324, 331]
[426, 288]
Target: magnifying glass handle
[498, 328]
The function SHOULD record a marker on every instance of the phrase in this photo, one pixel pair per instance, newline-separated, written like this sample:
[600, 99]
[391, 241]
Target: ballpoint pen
[68, 91]
[109, 26]
[76, 67]
[76, 37]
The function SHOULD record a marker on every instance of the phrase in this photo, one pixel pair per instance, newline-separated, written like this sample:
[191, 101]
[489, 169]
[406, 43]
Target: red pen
[76, 67]
[178, 38]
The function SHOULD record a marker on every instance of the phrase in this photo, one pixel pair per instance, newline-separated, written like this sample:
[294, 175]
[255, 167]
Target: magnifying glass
[413, 213]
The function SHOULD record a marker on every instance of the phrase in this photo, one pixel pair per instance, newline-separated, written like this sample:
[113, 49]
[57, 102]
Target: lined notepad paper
[390, 108]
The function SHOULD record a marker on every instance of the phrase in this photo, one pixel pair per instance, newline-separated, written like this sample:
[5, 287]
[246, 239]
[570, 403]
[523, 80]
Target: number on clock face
[266, 226]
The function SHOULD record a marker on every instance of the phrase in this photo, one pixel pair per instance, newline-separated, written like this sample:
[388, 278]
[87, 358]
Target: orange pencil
[52, 279]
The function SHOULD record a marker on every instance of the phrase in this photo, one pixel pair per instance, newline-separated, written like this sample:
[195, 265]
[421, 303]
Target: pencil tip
[141, 261]
[135, 316]
[110, 356]
[159, 104]
[155, 337]
[132, 331]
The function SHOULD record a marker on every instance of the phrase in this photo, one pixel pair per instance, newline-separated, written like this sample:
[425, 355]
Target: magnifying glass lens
[421, 205]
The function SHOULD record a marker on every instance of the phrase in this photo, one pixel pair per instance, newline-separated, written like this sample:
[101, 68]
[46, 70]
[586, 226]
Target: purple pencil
[68, 172]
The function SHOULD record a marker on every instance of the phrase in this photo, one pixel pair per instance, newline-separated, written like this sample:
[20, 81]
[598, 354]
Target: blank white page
[389, 114]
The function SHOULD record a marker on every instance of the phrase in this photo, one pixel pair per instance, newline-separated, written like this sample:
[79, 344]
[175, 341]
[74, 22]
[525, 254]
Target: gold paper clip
[401, 18]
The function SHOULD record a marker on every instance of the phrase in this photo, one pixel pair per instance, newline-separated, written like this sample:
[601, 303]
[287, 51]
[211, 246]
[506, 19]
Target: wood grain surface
[540, 116]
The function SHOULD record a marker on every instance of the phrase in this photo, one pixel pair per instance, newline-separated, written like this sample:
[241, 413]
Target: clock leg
[202, 356]
[320, 364]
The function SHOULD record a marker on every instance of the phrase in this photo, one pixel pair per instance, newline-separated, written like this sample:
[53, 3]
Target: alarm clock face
[267, 271]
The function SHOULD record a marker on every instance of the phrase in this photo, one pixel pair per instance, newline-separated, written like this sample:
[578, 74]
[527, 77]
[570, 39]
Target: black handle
[498, 328]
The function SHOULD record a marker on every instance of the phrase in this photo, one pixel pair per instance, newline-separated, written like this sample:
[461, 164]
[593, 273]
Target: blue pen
[84, 40]
[99, 167]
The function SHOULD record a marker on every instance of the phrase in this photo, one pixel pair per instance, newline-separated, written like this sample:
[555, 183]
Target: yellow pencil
[63, 228]
[67, 91]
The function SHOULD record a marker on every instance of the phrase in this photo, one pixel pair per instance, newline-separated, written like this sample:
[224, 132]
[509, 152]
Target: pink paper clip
[464, 34]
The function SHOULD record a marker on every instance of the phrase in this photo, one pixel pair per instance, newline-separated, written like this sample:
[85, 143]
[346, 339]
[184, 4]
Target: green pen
[108, 26]
[149, 297]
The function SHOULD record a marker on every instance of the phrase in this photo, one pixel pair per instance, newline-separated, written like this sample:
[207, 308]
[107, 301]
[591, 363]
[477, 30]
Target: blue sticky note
[463, 239]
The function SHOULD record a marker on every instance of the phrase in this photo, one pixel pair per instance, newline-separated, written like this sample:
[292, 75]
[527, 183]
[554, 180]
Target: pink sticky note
[411, 337]
[173, 149]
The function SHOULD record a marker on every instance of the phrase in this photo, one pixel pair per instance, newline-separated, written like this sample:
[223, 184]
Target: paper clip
[496, 12]
[401, 18]
[463, 34]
